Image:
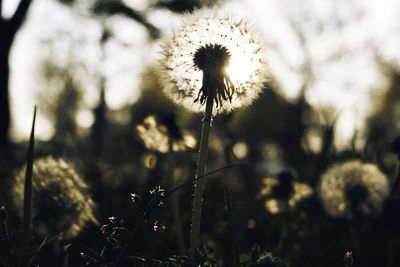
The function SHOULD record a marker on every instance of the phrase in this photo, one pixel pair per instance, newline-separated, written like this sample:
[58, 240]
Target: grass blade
[38, 248]
[83, 249]
[203, 176]
[26, 221]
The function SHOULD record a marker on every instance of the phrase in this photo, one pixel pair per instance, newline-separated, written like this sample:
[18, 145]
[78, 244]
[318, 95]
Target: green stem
[201, 168]
[174, 201]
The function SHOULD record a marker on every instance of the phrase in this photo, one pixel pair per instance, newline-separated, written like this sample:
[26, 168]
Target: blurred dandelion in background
[156, 136]
[208, 51]
[153, 135]
[353, 188]
[283, 192]
[61, 202]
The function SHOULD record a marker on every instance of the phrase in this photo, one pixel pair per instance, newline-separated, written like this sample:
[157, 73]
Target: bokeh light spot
[149, 160]
[85, 118]
[240, 150]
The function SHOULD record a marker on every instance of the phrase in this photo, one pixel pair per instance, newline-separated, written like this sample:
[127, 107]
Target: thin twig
[203, 176]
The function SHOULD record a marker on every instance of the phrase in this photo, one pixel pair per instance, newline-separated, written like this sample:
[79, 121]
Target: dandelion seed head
[61, 202]
[211, 56]
[208, 43]
[353, 186]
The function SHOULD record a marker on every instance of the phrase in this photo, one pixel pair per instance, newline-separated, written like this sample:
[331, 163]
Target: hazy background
[332, 46]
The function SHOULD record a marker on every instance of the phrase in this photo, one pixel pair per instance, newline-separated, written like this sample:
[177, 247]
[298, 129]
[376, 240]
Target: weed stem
[201, 168]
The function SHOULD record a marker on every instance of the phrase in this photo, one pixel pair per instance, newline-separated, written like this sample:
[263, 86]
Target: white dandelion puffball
[209, 51]
[61, 202]
[353, 186]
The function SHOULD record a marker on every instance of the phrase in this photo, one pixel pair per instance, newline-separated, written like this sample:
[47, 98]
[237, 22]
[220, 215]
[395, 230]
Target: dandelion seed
[155, 136]
[157, 191]
[352, 188]
[135, 198]
[157, 227]
[61, 202]
[213, 55]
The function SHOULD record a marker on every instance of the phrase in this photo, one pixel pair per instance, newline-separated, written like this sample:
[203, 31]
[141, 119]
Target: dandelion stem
[201, 168]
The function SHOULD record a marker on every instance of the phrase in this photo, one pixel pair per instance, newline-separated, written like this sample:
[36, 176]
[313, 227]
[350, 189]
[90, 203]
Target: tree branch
[19, 16]
[119, 8]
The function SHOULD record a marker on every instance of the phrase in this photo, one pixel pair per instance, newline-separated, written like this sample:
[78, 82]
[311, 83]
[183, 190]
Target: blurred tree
[62, 106]
[117, 7]
[383, 124]
[181, 6]
[8, 30]
[100, 124]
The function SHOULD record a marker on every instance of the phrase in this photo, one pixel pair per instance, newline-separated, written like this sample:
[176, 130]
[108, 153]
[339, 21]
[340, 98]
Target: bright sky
[341, 40]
